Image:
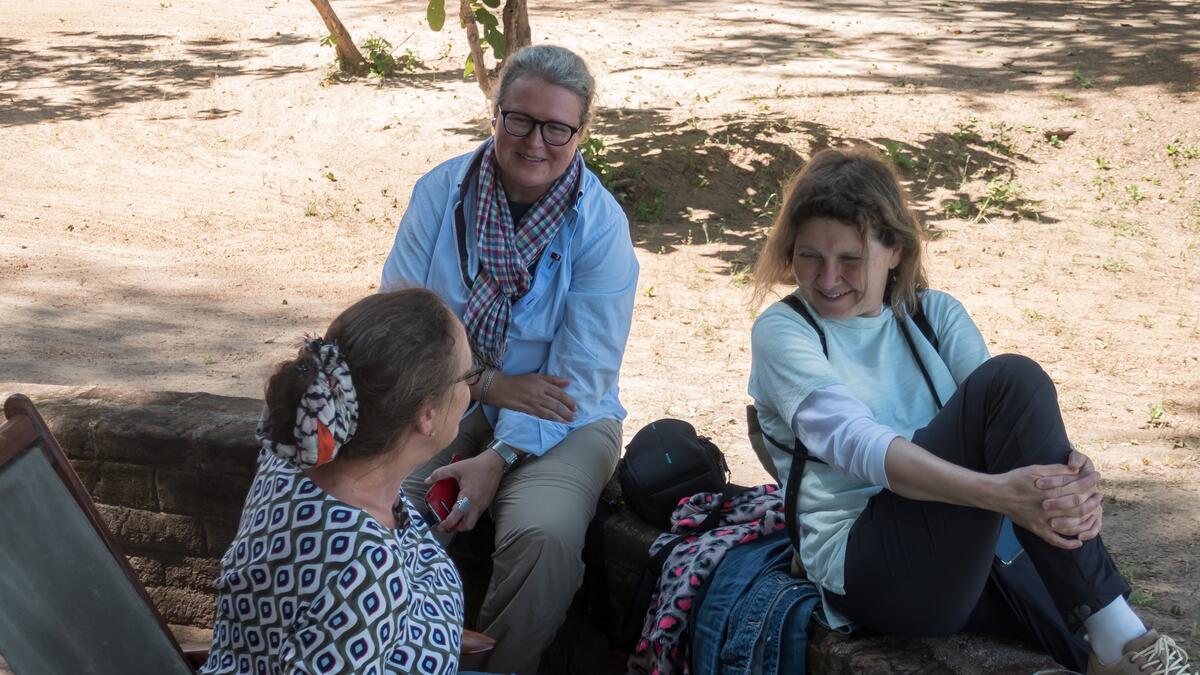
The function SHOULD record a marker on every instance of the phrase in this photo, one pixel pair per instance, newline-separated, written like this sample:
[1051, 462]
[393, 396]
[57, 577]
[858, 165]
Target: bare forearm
[916, 473]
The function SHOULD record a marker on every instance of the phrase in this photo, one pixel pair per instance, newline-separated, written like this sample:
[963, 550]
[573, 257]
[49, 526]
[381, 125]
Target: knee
[548, 540]
[1016, 373]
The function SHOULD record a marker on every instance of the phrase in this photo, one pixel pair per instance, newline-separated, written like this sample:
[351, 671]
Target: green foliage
[435, 14]
[1158, 416]
[1135, 193]
[379, 58]
[595, 155]
[955, 208]
[1003, 142]
[1181, 149]
[895, 153]
[490, 28]
[382, 62]
[1001, 195]
[651, 210]
[1082, 81]
[1140, 598]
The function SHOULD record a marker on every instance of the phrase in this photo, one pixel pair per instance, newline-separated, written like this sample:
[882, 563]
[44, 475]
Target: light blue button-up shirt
[574, 320]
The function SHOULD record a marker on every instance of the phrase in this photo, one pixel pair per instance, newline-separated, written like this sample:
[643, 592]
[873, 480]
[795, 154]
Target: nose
[534, 137]
[829, 274]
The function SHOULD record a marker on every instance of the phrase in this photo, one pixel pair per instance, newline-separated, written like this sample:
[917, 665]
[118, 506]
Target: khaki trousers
[541, 510]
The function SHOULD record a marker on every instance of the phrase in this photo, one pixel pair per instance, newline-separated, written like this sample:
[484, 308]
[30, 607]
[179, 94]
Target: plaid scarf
[506, 254]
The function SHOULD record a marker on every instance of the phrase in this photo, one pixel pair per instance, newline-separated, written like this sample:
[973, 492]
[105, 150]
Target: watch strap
[510, 456]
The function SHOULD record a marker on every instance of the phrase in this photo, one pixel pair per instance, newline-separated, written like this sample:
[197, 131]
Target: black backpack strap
[926, 329]
[799, 453]
[798, 305]
[923, 325]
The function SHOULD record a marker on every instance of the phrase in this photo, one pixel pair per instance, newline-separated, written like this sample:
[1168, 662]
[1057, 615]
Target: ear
[426, 421]
[898, 253]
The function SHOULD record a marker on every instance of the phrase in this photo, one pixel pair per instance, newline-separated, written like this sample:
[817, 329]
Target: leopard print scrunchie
[328, 412]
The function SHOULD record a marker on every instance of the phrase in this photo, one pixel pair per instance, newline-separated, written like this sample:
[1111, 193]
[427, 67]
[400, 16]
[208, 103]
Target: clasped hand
[543, 396]
[1059, 503]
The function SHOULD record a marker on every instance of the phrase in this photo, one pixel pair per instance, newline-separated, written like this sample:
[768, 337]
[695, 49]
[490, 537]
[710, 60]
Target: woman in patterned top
[332, 569]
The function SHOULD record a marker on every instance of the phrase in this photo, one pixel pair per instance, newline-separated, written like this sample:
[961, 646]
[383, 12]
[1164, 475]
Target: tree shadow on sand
[722, 180]
[98, 73]
[972, 49]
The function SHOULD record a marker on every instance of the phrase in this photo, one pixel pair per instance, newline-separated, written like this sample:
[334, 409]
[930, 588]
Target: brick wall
[168, 472]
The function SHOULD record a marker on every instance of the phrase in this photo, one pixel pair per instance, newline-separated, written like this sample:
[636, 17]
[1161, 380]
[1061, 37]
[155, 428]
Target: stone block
[866, 654]
[151, 534]
[192, 573]
[88, 472]
[127, 398]
[150, 436]
[149, 570]
[212, 404]
[184, 606]
[125, 485]
[225, 444]
[202, 494]
[219, 532]
[71, 424]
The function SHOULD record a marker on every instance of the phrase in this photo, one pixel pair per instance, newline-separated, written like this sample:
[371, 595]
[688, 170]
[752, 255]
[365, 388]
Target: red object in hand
[441, 497]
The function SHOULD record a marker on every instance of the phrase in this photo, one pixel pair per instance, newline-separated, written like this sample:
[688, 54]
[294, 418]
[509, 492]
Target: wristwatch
[507, 453]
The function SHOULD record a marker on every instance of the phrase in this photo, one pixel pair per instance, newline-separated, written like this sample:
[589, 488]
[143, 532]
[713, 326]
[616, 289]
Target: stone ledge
[172, 551]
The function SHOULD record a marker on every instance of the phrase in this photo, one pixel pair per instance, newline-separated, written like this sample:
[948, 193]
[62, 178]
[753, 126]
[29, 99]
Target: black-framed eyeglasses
[521, 125]
[471, 377]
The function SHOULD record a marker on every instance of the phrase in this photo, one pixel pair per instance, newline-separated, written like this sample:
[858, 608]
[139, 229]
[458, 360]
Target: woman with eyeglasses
[332, 569]
[533, 254]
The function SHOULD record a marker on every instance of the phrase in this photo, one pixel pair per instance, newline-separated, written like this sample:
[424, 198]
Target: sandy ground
[182, 195]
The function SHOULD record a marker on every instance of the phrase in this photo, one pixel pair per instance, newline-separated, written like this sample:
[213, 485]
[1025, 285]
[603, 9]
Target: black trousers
[923, 569]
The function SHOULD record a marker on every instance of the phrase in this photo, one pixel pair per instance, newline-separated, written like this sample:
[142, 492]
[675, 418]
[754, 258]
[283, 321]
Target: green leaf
[485, 18]
[469, 69]
[435, 13]
[494, 4]
[496, 39]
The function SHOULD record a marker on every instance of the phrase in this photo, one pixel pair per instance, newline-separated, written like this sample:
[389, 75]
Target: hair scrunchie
[328, 412]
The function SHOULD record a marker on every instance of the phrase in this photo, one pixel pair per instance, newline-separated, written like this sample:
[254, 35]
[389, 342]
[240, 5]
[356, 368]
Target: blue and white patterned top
[313, 585]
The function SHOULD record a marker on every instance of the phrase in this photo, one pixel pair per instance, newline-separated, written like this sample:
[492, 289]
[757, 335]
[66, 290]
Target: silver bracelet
[487, 383]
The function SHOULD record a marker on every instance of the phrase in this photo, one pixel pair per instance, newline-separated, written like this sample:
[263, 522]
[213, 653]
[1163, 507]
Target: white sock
[1109, 629]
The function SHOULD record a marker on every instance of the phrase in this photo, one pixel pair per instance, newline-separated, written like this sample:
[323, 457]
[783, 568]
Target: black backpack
[665, 462]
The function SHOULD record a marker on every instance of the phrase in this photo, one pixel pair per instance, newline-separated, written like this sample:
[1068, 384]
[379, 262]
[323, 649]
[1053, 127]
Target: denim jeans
[753, 618]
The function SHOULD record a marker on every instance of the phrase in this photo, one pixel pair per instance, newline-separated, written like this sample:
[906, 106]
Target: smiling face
[528, 166]
[836, 273]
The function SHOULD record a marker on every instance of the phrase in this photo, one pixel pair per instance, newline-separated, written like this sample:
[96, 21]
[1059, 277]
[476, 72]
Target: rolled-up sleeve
[840, 430]
[589, 344]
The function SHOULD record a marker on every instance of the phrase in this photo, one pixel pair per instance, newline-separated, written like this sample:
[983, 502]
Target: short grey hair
[558, 66]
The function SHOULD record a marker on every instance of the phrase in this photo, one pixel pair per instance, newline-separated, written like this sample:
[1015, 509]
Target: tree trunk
[516, 26]
[485, 77]
[349, 58]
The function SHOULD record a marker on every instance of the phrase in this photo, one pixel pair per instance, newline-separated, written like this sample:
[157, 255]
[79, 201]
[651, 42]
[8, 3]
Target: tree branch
[349, 57]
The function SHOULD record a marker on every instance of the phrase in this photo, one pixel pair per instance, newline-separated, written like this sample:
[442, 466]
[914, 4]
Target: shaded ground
[180, 197]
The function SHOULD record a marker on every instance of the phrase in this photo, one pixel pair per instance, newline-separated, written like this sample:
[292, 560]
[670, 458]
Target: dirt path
[180, 197]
